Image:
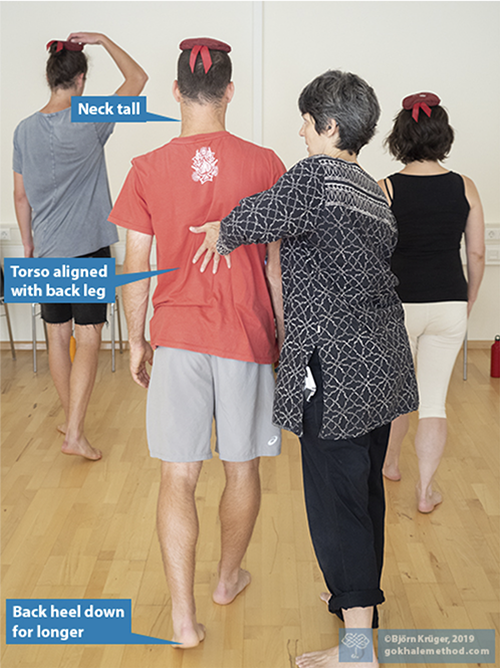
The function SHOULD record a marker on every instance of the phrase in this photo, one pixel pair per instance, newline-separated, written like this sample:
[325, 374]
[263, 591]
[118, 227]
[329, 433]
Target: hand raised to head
[85, 37]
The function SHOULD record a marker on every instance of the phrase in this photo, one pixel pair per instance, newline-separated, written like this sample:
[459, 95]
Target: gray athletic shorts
[188, 389]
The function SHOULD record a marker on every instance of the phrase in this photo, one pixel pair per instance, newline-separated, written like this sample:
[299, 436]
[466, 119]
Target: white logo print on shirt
[204, 165]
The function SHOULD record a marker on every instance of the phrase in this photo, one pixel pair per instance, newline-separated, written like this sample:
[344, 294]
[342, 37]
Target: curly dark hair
[429, 139]
[200, 86]
[347, 99]
[63, 66]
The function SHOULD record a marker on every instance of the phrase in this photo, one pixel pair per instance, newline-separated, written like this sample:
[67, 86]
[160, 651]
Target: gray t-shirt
[64, 175]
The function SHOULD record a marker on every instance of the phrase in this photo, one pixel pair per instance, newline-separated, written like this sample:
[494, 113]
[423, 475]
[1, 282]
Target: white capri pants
[436, 331]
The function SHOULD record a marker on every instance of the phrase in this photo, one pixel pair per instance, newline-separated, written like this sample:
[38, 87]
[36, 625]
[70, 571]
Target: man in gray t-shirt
[62, 203]
[69, 196]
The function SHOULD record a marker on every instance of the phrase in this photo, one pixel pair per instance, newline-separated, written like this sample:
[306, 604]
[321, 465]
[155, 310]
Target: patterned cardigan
[339, 296]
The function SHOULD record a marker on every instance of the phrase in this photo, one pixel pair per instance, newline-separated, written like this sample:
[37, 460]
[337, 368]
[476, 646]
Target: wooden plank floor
[76, 529]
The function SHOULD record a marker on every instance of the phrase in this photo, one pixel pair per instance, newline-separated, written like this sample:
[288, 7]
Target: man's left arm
[23, 214]
[135, 302]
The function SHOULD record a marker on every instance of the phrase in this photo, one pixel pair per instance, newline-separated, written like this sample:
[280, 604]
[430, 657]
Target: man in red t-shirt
[214, 340]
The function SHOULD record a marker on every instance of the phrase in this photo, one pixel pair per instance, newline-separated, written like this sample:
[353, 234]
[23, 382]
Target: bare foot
[227, 592]
[325, 596]
[61, 428]
[391, 472]
[428, 501]
[329, 658]
[189, 636]
[80, 447]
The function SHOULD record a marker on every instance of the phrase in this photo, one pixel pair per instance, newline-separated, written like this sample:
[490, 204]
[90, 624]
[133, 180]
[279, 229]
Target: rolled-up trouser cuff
[357, 599]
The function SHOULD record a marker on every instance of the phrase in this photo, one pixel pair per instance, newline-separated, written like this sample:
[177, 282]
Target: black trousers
[344, 493]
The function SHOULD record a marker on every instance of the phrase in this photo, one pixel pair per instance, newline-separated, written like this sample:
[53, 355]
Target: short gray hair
[347, 99]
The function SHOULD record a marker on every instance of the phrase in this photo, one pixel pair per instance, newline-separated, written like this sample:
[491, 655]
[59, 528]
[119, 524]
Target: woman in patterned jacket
[344, 333]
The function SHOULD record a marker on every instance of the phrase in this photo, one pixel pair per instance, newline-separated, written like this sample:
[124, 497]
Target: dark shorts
[82, 314]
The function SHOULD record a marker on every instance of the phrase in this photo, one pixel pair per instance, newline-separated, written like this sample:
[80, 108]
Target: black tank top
[431, 212]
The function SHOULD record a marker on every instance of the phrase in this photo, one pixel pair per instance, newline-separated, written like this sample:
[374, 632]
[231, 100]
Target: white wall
[452, 48]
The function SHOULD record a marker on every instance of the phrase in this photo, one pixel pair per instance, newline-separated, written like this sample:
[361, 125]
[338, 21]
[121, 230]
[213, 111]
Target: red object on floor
[495, 358]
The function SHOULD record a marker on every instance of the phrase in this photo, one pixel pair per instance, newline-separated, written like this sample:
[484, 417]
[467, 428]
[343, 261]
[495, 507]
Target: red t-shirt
[188, 182]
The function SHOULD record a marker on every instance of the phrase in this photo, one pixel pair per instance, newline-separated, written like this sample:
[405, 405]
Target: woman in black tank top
[433, 207]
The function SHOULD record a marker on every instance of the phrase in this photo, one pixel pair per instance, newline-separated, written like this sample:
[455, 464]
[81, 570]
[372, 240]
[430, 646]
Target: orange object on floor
[72, 348]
